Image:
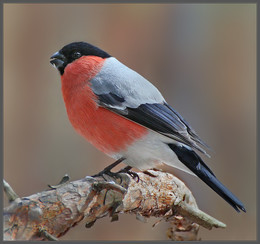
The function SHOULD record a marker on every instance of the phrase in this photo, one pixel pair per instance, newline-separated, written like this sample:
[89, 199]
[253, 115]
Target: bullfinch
[125, 116]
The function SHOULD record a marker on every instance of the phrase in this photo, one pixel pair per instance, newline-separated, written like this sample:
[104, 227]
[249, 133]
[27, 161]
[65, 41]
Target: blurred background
[202, 57]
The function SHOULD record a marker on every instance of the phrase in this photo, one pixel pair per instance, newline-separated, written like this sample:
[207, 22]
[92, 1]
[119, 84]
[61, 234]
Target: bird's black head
[73, 51]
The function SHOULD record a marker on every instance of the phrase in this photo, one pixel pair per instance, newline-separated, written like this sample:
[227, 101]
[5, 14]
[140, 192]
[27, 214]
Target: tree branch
[50, 214]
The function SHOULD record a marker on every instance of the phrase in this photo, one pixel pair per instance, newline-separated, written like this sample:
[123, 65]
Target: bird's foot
[107, 170]
[127, 170]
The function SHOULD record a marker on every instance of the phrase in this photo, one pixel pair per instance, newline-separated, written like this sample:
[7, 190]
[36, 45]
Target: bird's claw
[127, 170]
[134, 175]
[109, 173]
[107, 170]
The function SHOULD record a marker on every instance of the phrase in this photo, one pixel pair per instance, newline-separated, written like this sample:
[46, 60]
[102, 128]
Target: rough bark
[49, 214]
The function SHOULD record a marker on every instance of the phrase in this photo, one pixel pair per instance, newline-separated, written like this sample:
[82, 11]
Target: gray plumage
[124, 91]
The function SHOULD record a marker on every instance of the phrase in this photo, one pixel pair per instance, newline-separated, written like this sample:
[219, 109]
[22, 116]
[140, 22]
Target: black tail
[193, 161]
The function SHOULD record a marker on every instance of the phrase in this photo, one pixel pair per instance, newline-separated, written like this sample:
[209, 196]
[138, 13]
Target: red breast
[106, 130]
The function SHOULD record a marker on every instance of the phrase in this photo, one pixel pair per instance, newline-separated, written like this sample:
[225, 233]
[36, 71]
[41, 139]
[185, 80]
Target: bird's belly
[150, 151]
[117, 136]
[106, 130]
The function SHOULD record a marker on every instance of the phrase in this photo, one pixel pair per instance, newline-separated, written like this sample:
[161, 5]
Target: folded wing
[130, 95]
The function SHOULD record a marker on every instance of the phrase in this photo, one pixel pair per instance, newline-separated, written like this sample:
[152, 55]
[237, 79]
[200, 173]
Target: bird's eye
[76, 55]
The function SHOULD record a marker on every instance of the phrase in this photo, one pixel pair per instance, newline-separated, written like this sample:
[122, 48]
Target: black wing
[158, 117]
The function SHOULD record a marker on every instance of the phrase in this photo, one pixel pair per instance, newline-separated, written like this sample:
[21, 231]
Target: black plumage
[194, 162]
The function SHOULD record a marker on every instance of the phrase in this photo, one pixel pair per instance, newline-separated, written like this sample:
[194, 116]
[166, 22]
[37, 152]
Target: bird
[125, 116]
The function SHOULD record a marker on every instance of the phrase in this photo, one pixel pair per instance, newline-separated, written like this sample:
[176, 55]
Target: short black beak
[58, 60]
